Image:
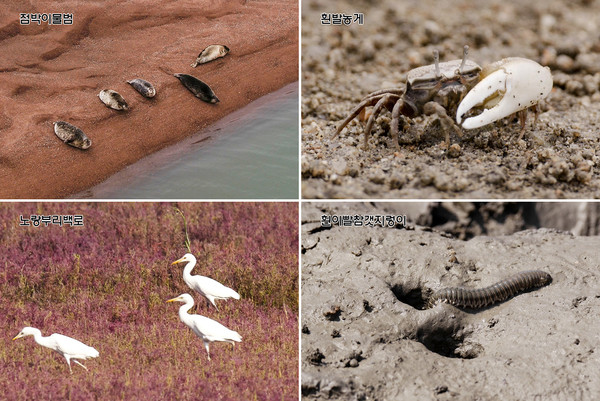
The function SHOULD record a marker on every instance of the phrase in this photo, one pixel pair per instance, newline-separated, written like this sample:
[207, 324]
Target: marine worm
[501, 291]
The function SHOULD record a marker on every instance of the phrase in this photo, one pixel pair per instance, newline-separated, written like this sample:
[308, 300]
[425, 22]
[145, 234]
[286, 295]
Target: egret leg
[207, 351]
[79, 363]
[69, 363]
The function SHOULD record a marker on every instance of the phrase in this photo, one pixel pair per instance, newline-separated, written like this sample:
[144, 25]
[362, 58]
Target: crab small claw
[510, 85]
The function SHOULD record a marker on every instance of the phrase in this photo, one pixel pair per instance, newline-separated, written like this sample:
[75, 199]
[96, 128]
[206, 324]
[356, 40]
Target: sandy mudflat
[558, 158]
[365, 336]
[52, 72]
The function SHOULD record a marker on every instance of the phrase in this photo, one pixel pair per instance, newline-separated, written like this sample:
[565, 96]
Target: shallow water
[250, 154]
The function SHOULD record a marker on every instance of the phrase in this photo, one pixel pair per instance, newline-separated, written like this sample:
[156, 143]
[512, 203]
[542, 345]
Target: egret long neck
[187, 272]
[37, 336]
[183, 311]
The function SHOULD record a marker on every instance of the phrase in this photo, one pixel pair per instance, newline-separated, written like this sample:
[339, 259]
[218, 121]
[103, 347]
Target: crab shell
[507, 86]
[445, 85]
[448, 70]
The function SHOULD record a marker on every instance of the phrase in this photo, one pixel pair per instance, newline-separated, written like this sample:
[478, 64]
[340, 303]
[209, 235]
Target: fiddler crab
[509, 86]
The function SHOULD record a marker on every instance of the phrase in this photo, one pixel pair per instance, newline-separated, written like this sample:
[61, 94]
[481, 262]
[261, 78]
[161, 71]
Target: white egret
[207, 329]
[207, 287]
[68, 347]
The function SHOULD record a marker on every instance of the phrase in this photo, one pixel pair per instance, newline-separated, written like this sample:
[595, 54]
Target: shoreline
[58, 71]
[206, 138]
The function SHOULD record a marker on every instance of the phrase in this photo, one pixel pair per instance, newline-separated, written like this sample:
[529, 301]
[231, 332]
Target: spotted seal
[113, 99]
[201, 90]
[71, 135]
[211, 53]
[144, 87]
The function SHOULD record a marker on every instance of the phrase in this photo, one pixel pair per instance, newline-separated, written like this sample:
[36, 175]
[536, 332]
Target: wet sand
[247, 154]
[557, 158]
[54, 72]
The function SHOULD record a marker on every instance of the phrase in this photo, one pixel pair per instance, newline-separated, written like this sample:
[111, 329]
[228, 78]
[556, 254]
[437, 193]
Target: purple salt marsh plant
[106, 284]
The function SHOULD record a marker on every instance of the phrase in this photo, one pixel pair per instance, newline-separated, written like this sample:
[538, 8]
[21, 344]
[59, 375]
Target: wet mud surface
[366, 335]
[557, 158]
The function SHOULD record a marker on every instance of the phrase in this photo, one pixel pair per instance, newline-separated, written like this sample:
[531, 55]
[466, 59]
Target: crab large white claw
[508, 86]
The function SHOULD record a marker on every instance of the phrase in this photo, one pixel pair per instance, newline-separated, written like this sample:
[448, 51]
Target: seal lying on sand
[198, 88]
[211, 53]
[71, 135]
[144, 87]
[113, 100]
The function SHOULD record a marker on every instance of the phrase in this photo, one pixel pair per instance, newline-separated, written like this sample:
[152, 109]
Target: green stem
[187, 238]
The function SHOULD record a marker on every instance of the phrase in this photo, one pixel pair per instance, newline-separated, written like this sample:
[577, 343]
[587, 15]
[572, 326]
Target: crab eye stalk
[464, 60]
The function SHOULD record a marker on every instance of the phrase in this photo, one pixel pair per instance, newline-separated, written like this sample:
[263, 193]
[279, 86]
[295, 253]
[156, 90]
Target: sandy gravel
[558, 158]
[365, 336]
[54, 72]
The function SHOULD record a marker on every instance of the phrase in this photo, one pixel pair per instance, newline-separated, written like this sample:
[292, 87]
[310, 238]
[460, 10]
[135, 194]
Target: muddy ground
[558, 158]
[366, 336]
[465, 220]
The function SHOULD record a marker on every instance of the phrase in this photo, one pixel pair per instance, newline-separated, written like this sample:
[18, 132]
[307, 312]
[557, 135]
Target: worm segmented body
[478, 298]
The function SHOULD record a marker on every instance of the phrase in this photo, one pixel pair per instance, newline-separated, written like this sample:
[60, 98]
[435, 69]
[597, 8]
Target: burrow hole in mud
[445, 342]
[413, 296]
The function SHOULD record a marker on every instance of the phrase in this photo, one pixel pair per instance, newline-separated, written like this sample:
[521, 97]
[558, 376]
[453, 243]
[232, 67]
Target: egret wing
[213, 330]
[207, 285]
[74, 348]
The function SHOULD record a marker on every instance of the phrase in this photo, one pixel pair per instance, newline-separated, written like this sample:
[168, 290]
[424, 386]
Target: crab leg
[390, 91]
[370, 100]
[513, 85]
[366, 102]
[522, 115]
[396, 122]
[382, 102]
[431, 108]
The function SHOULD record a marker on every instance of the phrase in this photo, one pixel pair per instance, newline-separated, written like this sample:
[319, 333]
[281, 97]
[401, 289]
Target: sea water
[250, 154]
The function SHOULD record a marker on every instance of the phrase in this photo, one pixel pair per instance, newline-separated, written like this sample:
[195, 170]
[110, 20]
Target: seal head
[144, 87]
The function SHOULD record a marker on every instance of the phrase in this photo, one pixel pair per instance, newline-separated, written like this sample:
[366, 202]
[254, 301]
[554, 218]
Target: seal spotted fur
[211, 53]
[201, 90]
[113, 99]
[144, 87]
[71, 135]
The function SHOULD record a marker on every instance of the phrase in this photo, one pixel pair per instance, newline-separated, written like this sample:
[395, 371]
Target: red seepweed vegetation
[106, 284]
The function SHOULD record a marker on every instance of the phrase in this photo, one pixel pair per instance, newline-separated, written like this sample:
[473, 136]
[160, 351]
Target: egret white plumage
[207, 329]
[207, 287]
[68, 347]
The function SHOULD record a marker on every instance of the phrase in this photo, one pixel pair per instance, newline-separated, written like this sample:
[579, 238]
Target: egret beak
[173, 299]
[17, 336]
[178, 261]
